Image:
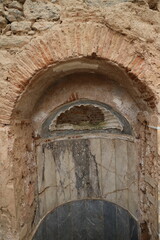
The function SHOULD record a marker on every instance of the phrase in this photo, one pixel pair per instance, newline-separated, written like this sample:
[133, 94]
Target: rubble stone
[23, 26]
[13, 41]
[3, 22]
[41, 10]
[43, 25]
[14, 15]
[16, 5]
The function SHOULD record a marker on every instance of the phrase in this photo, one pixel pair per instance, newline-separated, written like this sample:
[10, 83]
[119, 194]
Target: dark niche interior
[85, 116]
[82, 116]
[88, 220]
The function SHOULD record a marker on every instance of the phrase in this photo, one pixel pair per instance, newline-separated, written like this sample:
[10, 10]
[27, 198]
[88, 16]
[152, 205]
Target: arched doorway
[88, 219]
[44, 83]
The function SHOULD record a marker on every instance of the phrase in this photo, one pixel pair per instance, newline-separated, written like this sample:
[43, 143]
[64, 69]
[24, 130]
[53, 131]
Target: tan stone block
[22, 26]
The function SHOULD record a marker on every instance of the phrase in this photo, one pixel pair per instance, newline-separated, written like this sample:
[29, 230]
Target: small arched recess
[85, 116]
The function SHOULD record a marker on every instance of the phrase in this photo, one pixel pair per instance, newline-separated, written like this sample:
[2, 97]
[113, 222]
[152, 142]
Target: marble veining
[87, 168]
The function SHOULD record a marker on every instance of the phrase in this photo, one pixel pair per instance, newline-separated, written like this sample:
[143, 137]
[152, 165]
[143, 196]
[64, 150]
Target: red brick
[107, 44]
[118, 44]
[69, 42]
[103, 36]
[51, 49]
[78, 40]
[112, 48]
[57, 44]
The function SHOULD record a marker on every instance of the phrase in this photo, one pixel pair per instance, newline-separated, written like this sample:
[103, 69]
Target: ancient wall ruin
[54, 53]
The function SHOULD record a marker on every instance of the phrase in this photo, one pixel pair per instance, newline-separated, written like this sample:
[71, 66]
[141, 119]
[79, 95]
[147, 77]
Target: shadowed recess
[80, 115]
[85, 115]
[88, 220]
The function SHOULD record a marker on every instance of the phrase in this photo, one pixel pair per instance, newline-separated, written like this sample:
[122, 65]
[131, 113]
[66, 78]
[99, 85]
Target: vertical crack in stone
[94, 176]
[43, 169]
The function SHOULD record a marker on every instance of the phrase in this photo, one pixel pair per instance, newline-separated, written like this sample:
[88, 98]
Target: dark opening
[80, 115]
[88, 220]
[85, 116]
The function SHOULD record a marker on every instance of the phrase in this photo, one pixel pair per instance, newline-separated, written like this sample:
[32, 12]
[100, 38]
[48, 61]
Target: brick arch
[67, 42]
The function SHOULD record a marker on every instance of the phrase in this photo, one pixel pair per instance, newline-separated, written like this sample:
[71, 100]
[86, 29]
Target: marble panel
[50, 183]
[87, 168]
[42, 204]
[108, 180]
[61, 159]
[49, 168]
[121, 173]
[80, 152]
[73, 189]
[96, 165]
[50, 198]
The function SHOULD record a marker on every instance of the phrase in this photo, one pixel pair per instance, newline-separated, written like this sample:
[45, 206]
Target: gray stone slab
[133, 229]
[122, 224]
[95, 219]
[41, 232]
[88, 220]
[64, 222]
[109, 210]
[78, 214]
[51, 226]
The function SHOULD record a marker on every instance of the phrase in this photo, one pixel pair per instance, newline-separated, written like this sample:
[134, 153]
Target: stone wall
[31, 17]
[36, 36]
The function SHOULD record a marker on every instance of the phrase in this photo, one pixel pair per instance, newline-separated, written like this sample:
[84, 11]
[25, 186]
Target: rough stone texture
[3, 22]
[16, 5]
[23, 26]
[42, 25]
[8, 42]
[125, 34]
[13, 15]
[40, 10]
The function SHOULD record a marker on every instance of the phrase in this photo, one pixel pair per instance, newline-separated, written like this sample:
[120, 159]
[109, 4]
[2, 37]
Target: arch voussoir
[70, 42]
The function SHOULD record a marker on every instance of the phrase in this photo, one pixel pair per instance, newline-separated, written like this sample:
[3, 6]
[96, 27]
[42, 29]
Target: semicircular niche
[84, 116]
[88, 220]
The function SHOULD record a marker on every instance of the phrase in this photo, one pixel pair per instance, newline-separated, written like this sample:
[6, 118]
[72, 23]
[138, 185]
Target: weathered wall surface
[24, 21]
[29, 18]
